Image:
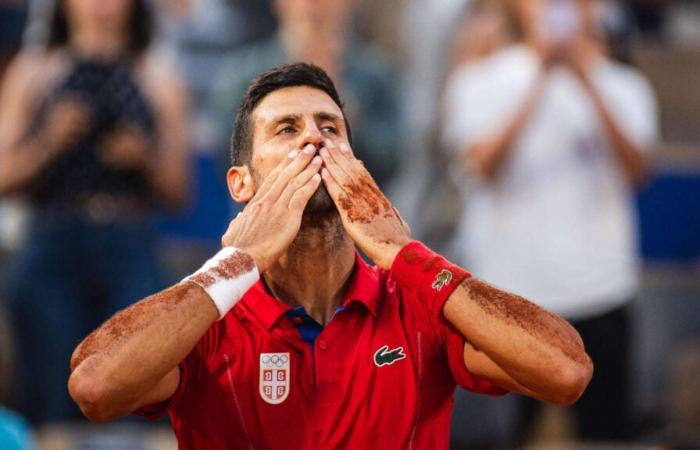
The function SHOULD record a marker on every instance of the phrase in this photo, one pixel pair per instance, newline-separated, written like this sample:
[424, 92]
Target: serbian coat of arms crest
[274, 377]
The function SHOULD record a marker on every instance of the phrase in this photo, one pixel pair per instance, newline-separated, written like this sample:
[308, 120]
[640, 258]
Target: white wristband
[226, 277]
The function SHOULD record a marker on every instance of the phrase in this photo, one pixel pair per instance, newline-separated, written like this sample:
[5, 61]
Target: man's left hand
[367, 215]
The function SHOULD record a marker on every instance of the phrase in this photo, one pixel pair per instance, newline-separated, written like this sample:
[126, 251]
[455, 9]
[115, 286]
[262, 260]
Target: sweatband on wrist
[432, 277]
[226, 277]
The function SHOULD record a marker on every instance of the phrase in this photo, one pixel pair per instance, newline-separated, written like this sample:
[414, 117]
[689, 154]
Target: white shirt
[557, 225]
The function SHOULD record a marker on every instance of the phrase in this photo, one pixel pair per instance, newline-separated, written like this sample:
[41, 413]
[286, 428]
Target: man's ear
[240, 184]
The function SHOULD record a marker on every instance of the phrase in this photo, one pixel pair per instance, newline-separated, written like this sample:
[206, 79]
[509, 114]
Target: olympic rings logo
[275, 360]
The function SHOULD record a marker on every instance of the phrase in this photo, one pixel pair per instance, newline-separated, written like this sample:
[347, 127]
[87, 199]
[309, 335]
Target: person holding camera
[553, 135]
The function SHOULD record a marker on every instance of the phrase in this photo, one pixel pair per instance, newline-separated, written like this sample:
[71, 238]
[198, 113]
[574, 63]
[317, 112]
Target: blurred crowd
[539, 143]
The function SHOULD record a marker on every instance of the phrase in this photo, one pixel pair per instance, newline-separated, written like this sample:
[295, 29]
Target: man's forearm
[132, 359]
[515, 343]
[120, 362]
[538, 349]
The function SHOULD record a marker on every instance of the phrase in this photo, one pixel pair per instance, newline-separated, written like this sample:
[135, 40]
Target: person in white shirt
[551, 136]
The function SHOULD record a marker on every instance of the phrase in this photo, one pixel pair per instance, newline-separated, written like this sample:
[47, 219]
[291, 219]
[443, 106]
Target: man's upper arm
[480, 365]
[164, 389]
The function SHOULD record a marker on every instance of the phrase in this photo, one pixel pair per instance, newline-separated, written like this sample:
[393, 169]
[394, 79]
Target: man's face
[289, 119]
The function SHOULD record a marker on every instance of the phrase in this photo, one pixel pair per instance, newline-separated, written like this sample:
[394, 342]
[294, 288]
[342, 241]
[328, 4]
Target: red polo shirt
[381, 375]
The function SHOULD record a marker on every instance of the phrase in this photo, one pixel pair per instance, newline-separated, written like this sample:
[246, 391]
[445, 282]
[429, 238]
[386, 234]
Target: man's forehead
[294, 101]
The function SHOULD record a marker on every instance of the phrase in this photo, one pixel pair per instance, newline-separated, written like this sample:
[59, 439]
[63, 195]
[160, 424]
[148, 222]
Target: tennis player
[287, 339]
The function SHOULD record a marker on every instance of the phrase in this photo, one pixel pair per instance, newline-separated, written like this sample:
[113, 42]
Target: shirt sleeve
[454, 348]
[189, 367]
[450, 345]
[157, 410]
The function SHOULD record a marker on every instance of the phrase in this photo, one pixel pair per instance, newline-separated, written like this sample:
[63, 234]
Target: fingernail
[316, 177]
[316, 160]
[293, 153]
[309, 149]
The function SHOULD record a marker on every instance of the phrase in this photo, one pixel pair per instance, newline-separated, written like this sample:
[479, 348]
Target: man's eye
[286, 130]
[330, 129]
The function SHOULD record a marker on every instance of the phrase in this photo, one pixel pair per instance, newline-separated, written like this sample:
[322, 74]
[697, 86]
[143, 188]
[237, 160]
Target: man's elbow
[91, 396]
[573, 379]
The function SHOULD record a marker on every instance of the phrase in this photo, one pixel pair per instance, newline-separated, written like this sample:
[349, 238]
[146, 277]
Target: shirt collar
[364, 289]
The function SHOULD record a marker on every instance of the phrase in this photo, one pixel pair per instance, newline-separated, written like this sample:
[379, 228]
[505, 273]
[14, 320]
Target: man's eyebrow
[323, 115]
[286, 118]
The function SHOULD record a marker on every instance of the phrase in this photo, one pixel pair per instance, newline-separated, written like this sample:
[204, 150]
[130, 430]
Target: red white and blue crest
[274, 377]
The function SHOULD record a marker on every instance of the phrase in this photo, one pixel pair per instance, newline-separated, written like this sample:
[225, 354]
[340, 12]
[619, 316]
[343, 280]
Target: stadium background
[417, 39]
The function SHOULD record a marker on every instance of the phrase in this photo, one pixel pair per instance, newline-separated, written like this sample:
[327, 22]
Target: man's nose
[312, 135]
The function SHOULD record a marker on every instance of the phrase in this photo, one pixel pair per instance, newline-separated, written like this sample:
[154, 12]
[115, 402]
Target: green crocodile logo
[442, 279]
[386, 357]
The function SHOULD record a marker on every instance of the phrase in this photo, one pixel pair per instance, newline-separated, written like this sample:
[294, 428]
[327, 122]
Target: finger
[335, 190]
[339, 175]
[298, 164]
[302, 195]
[300, 180]
[272, 176]
[342, 156]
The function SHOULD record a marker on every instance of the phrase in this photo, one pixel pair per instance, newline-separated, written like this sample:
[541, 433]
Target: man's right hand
[271, 220]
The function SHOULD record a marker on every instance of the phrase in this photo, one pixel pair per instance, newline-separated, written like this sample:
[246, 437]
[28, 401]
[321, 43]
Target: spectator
[12, 20]
[201, 31]
[93, 134]
[426, 31]
[319, 32]
[482, 31]
[554, 135]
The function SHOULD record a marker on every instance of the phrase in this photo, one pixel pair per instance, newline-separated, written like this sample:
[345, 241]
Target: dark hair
[288, 75]
[140, 27]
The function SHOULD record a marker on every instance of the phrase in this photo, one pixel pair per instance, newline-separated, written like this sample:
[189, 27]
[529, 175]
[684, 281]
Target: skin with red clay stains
[227, 269]
[516, 310]
[130, 320]
[364, 201]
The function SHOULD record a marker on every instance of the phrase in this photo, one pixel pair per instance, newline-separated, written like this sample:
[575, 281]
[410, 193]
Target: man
[321, 350]
[554, 135]
[320, 33]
